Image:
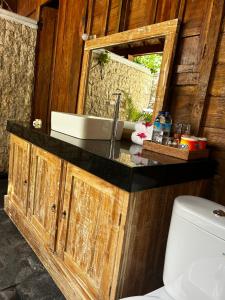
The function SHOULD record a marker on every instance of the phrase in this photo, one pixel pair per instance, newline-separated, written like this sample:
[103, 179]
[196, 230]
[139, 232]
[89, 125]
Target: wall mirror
[137, 63]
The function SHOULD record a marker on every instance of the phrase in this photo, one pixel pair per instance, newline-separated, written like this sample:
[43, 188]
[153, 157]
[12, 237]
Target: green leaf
[151, 61]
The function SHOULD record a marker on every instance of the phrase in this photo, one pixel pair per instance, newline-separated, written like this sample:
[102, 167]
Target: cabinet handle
[64, 214]
[53, 208]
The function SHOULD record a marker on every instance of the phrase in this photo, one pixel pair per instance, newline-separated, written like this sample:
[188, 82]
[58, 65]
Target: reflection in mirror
[138, 63]
[131, 68]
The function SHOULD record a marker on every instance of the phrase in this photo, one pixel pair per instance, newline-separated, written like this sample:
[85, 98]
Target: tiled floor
[22, 276]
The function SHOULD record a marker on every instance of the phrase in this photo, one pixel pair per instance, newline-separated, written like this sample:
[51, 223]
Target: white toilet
[194, 266]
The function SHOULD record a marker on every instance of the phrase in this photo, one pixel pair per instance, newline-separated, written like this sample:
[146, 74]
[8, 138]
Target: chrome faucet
[116, 115]
[115, 122]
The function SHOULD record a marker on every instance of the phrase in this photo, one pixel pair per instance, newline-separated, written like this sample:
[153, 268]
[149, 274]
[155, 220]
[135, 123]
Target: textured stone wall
[17, 55]
[103, 82]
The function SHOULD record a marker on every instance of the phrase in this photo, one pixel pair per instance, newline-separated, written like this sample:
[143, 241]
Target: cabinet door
[19, 158]
[91, 232]
[44, 194]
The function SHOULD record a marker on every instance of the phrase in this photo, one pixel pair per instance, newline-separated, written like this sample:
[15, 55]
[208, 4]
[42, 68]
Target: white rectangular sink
[84, 126]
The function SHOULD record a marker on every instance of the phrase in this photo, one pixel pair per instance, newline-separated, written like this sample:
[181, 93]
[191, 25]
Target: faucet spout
[116, 115]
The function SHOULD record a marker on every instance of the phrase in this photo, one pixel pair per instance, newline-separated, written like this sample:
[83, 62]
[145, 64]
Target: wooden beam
[211, 33]
[155, 30]
[138, 50]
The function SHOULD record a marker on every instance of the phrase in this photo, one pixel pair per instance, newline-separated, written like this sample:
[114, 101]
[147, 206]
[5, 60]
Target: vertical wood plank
[90, 16]
[19, 159]
[69, 50]
[167, 10]
[44, 65]
[212, 32]
[151, 11]
[125, 6]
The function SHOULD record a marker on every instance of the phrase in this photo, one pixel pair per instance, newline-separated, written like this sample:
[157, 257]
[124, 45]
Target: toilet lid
[142, 298]
[159, 294]
[148, 298]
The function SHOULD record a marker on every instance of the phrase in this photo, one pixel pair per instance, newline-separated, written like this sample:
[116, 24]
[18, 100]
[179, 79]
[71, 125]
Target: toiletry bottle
[167, 127]
[157, 130]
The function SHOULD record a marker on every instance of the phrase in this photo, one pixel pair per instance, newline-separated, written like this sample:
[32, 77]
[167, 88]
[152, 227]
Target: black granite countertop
[121, 163]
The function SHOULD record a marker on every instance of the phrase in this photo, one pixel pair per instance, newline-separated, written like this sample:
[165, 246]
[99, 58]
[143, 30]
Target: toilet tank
[194, 266]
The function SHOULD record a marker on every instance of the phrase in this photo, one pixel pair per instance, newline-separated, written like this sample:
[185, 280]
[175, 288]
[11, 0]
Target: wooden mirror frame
[167, 30]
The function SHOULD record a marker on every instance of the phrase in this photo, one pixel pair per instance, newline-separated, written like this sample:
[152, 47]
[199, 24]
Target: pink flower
[142, 135]
[147, 124]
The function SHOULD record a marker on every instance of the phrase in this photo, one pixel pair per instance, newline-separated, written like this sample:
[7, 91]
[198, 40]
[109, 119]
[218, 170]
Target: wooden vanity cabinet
[72, 219]
[19, 163]
[97, 241]
[91, 228]
[44, 192]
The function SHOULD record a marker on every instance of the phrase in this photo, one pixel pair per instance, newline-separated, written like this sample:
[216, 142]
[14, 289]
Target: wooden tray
[175, 152]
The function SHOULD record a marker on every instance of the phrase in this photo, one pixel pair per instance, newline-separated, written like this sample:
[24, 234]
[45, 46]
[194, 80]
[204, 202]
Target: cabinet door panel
[44, 194]
[19, 158]
[89, 231]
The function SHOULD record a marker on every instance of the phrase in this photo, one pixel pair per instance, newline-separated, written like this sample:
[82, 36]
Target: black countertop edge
[129, 178]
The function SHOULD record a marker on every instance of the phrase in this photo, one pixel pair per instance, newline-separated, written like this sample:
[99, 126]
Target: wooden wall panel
[194, 13]
[215, 116]
[26, 8]
[167, 10]
[140, 17]
[193, 61]
[217, 190]
[30, 8]
[113, 16]
[12, 5]
[213, 125]
[223, 26]
[69, 49]
[100, 17]
[187, 53]
[220, 55]
[44, 64]
[217, 86]
[182, 101]
[216, 137]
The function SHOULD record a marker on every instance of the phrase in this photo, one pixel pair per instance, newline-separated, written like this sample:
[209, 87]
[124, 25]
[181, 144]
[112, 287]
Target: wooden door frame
[167, 30]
